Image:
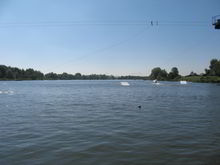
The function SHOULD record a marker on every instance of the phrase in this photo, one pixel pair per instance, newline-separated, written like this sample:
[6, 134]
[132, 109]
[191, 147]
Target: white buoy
[125, 84]
[183, 82]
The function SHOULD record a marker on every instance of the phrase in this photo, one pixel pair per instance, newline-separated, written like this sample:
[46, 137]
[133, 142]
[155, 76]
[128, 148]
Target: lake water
[99, 123]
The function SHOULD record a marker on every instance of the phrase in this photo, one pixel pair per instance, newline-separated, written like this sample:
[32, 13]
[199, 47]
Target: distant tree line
[211, 75]
[14, 73]
[77, 76]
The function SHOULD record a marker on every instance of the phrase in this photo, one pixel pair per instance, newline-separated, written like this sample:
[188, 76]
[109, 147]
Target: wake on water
[9, 92]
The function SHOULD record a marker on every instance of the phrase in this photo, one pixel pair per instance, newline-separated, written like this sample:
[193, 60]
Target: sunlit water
[100, 123]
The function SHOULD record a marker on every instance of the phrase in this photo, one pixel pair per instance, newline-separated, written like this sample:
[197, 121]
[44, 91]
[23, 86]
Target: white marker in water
[183, 82]
[125, 84]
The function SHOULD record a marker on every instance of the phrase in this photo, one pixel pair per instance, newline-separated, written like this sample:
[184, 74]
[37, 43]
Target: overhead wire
[101, 23]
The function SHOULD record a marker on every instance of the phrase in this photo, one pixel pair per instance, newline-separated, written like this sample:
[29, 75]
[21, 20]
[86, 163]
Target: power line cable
[100, 23]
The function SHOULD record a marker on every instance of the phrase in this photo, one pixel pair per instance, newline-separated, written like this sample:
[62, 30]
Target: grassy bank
[202, 79]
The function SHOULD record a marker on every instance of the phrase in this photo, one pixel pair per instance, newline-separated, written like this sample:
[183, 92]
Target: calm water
[99, 123]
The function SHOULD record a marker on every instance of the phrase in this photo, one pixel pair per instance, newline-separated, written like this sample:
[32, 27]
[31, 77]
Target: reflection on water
[99, 122]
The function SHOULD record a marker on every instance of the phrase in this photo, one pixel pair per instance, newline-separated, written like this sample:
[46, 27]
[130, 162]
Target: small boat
[155, 81]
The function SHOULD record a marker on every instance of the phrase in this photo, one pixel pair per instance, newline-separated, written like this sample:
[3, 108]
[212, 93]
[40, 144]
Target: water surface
[99, 122]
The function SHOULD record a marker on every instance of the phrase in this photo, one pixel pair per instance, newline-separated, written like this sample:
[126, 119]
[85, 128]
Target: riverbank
[202, 79]
[198, 79]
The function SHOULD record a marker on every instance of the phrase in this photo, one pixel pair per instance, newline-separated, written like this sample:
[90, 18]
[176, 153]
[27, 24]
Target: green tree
[3, 70]
[51, 76]
[158, 73]
[174, 73]
[78, 76]
[155, 72]
[162, 75]
[214, 68]
[217, 68]
[213, 62]
[10, 74]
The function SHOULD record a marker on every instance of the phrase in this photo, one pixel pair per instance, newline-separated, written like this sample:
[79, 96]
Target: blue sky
[26, 40]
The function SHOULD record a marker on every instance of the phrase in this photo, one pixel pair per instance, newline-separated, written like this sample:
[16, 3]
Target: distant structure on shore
[216, 21]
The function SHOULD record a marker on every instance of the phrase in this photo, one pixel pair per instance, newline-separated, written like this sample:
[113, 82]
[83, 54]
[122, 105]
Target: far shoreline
[194, 79]
[211, 75]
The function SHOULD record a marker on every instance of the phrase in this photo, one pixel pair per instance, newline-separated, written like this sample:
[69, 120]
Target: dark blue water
[99, 123]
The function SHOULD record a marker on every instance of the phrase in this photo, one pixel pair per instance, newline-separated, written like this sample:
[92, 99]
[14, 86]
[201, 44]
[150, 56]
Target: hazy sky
[39, 34]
